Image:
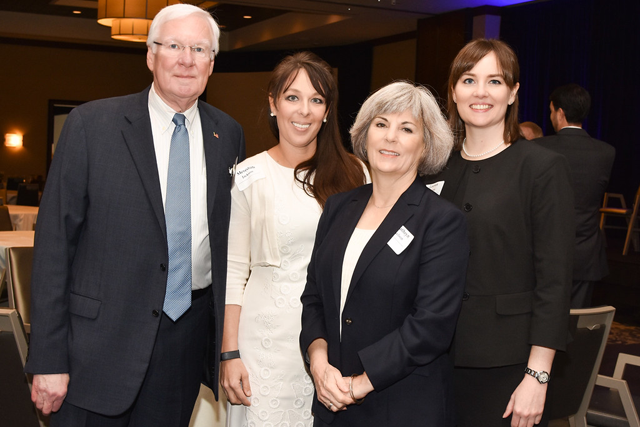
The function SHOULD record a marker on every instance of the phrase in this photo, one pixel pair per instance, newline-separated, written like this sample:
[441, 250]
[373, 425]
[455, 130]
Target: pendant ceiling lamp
[130, 19]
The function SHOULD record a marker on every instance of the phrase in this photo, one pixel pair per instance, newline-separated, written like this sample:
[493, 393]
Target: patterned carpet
[624, 334]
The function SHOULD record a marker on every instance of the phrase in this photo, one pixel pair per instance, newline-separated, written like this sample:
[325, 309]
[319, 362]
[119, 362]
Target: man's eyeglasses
[199, 52]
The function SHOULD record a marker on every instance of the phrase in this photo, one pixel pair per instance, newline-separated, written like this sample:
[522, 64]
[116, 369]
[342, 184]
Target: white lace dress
[272, 232]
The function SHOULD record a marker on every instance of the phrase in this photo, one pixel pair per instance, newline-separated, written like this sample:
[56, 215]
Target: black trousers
[172, 382]
[482, 395]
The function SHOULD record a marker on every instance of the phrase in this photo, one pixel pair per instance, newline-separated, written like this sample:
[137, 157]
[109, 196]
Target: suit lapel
[212, 139]
[397, 217]
[351, 215]
[139, 139]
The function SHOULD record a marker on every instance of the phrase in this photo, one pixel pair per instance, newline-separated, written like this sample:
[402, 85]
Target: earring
[271, 114]
[324, 120]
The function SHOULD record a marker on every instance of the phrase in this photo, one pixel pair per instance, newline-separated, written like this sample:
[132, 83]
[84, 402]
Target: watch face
[543, 377]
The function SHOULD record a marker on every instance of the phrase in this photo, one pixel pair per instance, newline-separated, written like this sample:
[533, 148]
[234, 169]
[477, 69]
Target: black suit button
[468, 207]
[155, 313]
[465, 296]
[348, 321]
[163, 267]
[476, 169]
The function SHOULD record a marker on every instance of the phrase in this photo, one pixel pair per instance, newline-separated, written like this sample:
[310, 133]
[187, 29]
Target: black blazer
[591, 162]
[519, 208]
[401, 309]
[98, 280]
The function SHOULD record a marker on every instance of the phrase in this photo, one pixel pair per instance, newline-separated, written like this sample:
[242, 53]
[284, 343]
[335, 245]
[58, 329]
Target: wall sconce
[13, 140]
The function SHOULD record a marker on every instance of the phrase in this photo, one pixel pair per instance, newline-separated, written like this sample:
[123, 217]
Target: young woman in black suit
[518, 202]
[385, 281]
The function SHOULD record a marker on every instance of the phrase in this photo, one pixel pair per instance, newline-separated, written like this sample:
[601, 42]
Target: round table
[23, 217]
[13, 239]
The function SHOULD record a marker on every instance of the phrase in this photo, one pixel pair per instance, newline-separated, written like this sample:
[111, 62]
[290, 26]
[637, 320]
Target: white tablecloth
[23, 217]
[12, 239]
[12, 196]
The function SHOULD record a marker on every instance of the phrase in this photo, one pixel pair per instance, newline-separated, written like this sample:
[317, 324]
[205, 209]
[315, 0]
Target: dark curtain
[596, 44]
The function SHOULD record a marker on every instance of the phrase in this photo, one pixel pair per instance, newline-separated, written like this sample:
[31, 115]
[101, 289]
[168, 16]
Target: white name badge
[400, 240]
[436, 187]
[248, 175]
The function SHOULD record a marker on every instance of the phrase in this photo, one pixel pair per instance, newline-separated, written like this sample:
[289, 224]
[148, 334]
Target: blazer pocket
[512, 304]
[84, 306]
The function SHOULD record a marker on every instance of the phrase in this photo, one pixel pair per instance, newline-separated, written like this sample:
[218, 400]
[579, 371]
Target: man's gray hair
[177, 11]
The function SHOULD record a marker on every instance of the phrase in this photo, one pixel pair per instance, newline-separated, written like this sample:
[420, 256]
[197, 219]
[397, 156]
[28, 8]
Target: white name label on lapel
[248, 175]
[436, 187]
[400, 240]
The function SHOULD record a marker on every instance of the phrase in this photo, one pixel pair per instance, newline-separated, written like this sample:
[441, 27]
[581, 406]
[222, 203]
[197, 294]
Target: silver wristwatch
[542, 376]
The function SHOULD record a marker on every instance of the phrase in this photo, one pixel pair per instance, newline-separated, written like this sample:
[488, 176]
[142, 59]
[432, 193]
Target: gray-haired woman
[386, 276]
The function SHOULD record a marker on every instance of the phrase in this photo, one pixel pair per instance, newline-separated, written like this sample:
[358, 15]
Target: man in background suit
[591, 162]
[129, 270]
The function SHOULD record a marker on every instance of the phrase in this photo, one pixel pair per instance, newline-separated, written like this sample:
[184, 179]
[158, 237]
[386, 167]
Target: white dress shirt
[162, 127]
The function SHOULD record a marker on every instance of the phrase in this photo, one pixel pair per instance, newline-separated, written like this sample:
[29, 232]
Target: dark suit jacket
[99, 274]
[401, 309]
[591, 162]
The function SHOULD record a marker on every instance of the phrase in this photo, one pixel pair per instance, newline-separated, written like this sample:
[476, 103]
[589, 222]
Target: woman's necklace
[479, 155]
[381, 207]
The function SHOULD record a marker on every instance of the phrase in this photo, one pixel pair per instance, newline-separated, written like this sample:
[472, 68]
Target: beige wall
[43, 73]
[393, 61]
[243, 96]
[37, 74]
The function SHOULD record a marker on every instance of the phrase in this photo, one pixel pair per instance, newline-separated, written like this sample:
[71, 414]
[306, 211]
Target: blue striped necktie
[178, 218]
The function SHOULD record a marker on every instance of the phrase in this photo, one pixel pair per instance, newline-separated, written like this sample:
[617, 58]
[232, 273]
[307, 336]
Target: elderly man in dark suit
[591, 162]
[130, 251]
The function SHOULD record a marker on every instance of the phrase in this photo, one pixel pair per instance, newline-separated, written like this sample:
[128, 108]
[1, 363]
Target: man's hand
[48, 391]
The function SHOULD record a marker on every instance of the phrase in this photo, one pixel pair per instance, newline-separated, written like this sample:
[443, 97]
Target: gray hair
[399, 97]
[177, 11]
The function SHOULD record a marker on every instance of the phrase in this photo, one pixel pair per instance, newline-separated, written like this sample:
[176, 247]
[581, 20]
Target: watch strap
[542, 376]
[228, 355]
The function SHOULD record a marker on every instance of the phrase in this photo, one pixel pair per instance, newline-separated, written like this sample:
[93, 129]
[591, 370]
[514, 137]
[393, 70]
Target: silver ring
[330, 404]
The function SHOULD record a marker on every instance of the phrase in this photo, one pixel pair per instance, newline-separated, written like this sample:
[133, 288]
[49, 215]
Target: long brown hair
[332, 169]
[466, 59]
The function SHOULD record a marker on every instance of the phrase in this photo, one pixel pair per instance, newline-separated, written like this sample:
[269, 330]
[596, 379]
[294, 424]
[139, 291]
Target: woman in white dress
[277, 199]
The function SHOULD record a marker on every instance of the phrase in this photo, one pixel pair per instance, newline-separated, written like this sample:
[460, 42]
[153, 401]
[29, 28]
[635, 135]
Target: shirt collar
[166, 113]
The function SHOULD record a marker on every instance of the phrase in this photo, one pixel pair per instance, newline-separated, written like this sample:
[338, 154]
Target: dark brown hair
[466, 59]
[332, 169]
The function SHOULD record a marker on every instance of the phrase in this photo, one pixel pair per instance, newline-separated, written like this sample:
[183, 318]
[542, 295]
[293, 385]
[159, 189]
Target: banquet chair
[13, 182]
[612, 403]
[28, 195]
[19, 262]
[574, 371]
[5, 219]
[631, 216]
[15, 393]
